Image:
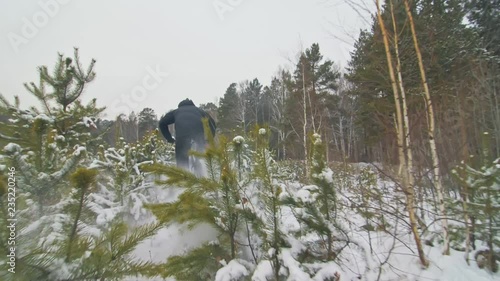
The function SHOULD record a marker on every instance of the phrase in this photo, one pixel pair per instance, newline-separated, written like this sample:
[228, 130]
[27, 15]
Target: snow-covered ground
[172, 240]
[380, 256]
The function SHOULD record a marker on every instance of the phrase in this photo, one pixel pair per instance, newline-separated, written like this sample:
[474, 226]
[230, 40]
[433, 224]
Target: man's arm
[211, 121]
[166, 120]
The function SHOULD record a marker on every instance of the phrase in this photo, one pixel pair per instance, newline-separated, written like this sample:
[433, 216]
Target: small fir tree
[212, 200]
[58, 234]
[484, 205]
[316, 207]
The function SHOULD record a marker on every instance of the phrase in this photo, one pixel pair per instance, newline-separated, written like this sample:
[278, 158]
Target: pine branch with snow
[66, 243]
[201, 263]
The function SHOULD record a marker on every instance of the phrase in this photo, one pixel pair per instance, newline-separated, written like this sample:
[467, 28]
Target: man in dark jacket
[188, 124]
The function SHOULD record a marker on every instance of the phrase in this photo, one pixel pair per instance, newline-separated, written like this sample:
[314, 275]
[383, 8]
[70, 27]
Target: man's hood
[186, 102]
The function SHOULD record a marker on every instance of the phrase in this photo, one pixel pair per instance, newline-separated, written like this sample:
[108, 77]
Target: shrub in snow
[122, 178]
[265, 209]
[43, 162]
[233, 271]
[123, 187]
[66, 244]
[213, 200]
[12, 148]
[483, 205]
[316, 207]
[238, 140]
[240, 153]
[367, 199]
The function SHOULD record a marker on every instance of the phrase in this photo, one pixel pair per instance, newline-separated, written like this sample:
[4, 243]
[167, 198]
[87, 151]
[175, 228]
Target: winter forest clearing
[388, 169]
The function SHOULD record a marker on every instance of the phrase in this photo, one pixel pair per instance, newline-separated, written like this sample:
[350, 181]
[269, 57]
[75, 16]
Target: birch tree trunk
[464, 192]
[431, 134]
[342, 137]
[410, 196]
[350, 140]
[406, 120]
[242, 108]
[304, 128]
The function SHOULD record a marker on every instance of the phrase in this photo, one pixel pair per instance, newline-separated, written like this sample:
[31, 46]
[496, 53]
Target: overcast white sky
[203, 45]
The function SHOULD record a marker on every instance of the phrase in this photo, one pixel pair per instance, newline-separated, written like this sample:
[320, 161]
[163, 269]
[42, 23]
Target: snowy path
[172, 240]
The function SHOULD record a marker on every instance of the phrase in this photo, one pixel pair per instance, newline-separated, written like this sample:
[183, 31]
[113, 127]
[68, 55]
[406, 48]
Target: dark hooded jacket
[187, 119]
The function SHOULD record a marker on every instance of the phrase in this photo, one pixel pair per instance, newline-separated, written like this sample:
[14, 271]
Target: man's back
[187, 120]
